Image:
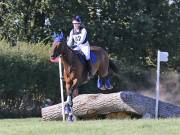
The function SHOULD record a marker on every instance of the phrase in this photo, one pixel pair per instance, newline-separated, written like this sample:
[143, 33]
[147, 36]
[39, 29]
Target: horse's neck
[67, 57]
[71, 62]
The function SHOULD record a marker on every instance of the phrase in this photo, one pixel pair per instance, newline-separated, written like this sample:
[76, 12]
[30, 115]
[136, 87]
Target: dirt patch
[169, 87]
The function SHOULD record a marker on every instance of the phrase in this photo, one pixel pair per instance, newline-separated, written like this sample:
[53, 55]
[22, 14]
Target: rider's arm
[70, 40]
[83, 36]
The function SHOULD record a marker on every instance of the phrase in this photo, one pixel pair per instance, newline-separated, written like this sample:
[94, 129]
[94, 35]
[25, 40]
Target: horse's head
[57, 46]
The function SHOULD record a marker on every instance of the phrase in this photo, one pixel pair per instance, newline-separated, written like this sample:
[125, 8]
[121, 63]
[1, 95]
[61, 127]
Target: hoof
[70, 118]
[102, 88]
[109, 87]
[90, 77]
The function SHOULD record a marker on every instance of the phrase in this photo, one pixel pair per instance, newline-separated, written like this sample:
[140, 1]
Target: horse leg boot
[68, 109]
[100, 84]
[69, 103]
[70, 100]
[108, 84]
[90, 75]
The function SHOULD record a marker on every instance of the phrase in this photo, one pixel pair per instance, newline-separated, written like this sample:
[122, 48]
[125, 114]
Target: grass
[35, 126]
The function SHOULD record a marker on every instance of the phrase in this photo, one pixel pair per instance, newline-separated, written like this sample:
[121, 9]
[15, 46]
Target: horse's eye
[55, 44]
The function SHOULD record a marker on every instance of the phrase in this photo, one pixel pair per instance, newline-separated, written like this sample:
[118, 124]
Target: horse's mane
[69, 48]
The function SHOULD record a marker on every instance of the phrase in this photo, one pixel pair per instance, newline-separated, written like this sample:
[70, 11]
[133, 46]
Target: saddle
[82, 57]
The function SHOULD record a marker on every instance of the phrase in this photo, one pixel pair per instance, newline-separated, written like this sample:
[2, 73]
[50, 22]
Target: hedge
[26, 69]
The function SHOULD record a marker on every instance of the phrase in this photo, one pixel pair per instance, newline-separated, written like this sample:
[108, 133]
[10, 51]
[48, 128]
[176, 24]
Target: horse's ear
[59, 38]
[62, 35]
[53, 35]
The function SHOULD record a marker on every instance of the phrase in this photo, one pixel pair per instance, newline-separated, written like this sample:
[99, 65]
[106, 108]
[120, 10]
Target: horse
[76, 71]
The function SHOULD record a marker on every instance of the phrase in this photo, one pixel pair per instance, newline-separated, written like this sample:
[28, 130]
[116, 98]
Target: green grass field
[35, 126]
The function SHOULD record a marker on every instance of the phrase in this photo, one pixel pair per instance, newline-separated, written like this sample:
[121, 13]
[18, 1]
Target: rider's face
[76, 24]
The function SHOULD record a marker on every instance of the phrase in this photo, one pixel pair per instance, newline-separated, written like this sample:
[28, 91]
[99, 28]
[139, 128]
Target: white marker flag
[164, 56]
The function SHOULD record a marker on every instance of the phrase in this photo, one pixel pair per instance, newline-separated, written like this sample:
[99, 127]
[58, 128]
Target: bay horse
[76, 71]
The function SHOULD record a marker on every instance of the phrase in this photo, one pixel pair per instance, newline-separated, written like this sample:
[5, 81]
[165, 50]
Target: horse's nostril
[52, 56]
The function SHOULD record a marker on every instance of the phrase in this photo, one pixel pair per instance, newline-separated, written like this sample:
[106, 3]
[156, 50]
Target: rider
[78, 40]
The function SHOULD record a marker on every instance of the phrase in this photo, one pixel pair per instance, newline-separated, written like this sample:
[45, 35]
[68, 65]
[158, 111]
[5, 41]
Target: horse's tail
[113, 66]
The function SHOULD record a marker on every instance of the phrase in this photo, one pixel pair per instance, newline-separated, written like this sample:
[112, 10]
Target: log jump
[124, 104]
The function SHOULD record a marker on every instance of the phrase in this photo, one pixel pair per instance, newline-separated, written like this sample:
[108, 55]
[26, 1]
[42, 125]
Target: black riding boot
[89, 68]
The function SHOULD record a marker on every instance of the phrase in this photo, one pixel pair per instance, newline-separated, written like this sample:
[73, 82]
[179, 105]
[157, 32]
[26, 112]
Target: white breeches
[85, 48]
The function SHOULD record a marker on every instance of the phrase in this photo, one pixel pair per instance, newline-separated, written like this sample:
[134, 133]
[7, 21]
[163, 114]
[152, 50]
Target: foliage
[131, 30]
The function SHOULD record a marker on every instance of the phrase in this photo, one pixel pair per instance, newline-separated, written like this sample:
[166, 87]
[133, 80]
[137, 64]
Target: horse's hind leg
[100, 83]
[103, 80]
[102, 73]
[104, 83]
[108, 83]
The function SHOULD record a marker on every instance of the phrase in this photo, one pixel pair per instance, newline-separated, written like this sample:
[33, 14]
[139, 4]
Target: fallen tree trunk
[121, 104]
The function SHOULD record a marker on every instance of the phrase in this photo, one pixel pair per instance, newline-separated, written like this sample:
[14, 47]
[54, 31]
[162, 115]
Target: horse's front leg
[69, 103]
[71, 91]
[69, 94]
[75, 87]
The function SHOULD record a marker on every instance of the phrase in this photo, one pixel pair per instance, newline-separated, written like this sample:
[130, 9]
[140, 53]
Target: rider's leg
[77, 48]
[86, 51]
[89, 68]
